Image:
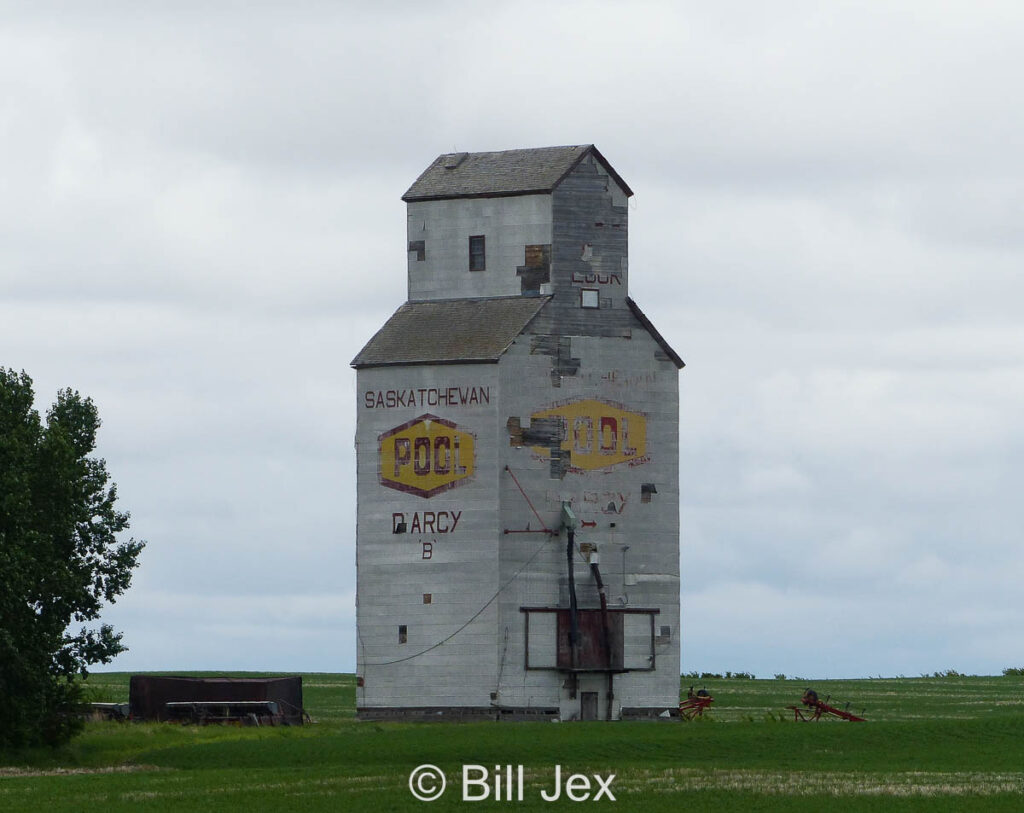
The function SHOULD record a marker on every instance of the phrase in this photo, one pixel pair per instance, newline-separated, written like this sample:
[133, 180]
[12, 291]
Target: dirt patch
[799, 783]
[15, 773]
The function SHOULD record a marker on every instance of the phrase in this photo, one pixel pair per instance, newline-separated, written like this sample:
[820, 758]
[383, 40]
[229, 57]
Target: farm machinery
[695, 703]
[815, 708]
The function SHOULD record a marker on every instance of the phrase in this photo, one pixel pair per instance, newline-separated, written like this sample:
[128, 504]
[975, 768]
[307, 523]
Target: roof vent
[454, 159]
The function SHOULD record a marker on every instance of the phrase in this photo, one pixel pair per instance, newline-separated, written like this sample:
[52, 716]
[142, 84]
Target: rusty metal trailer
[695, 704]
[816, 708]
[173, 697]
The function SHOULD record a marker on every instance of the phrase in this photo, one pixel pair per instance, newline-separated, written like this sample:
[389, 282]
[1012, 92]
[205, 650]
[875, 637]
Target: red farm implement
[815, 708]
[694, 704]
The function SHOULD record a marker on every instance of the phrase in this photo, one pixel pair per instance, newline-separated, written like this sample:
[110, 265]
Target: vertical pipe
[574, 630]
[611, 695]
[607, 633]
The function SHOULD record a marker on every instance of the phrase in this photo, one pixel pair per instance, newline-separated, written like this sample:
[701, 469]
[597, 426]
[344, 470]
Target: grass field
[953, 743]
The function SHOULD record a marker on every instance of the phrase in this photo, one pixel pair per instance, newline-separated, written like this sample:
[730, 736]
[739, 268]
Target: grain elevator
[518, 462]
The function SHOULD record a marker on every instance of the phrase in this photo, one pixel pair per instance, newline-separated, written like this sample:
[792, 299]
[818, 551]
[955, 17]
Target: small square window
[477, 253]
[590, 298]
[403, 633]
[428, 598]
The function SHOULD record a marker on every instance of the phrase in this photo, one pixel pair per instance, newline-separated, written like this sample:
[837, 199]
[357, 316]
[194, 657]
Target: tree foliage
[60, 561]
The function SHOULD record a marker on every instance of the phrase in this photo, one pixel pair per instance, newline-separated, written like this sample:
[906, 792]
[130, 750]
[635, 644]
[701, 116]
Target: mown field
[946, 743]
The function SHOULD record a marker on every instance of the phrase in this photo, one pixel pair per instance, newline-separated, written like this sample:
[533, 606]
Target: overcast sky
[201, 224]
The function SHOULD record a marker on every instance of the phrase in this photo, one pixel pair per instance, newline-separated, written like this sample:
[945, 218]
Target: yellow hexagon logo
[597, 434]
[426, 456]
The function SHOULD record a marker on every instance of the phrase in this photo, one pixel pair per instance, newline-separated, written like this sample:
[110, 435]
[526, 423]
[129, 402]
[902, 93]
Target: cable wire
[472, 618]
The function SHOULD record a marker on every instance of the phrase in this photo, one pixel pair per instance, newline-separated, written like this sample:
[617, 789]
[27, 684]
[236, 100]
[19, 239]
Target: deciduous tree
[60, 561]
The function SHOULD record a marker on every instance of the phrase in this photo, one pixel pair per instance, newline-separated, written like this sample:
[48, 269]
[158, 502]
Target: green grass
[931, 744]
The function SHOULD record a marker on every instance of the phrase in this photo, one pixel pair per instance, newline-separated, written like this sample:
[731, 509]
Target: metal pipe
[624, 594]
[569, 522]
[574, 630]
[606, 633]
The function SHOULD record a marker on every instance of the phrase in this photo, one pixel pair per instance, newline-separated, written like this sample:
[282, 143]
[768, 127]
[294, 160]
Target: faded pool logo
[597, 434]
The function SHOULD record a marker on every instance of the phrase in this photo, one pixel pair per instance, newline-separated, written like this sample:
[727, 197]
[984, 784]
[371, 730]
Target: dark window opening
[646, 490]
[428, 598]
[535, 270]
[403, 633]
[420, 247]
[477, 253]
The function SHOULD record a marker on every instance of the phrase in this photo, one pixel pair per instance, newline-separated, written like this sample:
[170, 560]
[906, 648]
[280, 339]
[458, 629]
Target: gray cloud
[200, 225]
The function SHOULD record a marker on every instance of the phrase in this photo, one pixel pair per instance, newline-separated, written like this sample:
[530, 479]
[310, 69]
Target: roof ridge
[503, 173]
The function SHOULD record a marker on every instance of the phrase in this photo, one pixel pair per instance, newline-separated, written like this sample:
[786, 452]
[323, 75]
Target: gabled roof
[500, 174]
[640, 315]
[449, 331]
